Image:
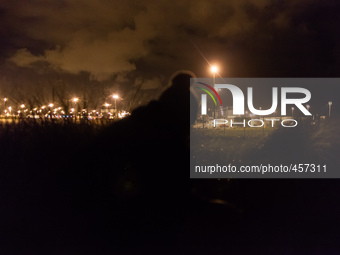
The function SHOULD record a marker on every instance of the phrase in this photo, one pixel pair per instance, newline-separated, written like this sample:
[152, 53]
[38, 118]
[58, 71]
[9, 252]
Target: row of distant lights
[75, 100]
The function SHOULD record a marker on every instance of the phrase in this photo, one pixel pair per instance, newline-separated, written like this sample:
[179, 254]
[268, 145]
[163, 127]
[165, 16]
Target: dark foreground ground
[70, 188]
[87, 189]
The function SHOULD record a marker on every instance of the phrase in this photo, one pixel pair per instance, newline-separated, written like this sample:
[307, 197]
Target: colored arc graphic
[208, 92]
[211, 88]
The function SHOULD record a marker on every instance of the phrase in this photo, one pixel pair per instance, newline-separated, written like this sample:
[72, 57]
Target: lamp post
[115, 97]
[107, 108]
[75, 100]
[214, 70]
[22, 106]
[50, 105]
[5, 100]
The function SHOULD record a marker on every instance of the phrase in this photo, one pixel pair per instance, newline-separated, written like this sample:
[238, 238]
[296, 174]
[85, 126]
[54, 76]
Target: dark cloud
[101, 38]
[148, 39]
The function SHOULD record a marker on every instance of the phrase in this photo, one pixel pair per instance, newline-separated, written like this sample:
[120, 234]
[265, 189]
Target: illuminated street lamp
[107, 107]
[5, 100]
[214, 70]
[329, 108]
[20, 113]
[115, 97]
[50, 105]
[34, 112]
[75, 100]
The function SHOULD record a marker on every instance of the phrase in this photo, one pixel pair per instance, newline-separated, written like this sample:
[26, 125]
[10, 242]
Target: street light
[115, 97]
[107, 107]
[50, 105]
[329, 108]
[22, 107]
[214, 70]
[75, 100]
[5, 100]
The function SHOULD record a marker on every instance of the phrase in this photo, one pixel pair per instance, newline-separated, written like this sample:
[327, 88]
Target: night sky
[133, 47]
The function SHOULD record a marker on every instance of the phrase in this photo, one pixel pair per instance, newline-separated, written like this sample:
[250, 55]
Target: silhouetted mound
[143, 175]
[127, 185]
